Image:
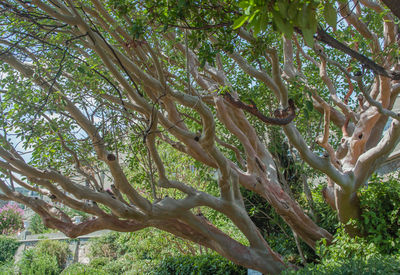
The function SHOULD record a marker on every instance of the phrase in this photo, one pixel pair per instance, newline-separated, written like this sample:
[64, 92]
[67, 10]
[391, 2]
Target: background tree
[97, 92]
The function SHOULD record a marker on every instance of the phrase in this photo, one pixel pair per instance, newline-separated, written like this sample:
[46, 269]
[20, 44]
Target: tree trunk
[393, 6]
[348, 208]
[346, 204]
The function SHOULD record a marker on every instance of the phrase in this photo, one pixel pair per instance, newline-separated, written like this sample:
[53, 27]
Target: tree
[87, 85]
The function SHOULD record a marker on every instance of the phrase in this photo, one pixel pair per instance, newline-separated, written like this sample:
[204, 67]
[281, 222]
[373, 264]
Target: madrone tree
[86, 83]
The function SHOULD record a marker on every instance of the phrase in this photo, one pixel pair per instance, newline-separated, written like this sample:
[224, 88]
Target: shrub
[47, 257]
[11, 219]
[105, 246]
[326, 216]
[384, 265]
[7, 268]
[121, 265]
[344, 247]
[348, 255]
[8, 247]
[203, 264]
[380, 204]
[36, 225]
[99, 262]
[38, 263]
[59, 249]
[82, 269]
[147, 244]
[137, 253]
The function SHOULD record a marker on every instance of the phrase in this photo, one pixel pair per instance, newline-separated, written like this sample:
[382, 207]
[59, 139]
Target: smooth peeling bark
[345, 203]
[394, 6]
[348, 208]
[287, 208]
[268, 185]
[204, 233]
[267, 261]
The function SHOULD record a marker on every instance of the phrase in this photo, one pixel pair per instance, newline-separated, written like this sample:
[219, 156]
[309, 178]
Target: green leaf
[251, 18]
[240, 21]
[309, 105]
[303, 16]
[282, 8]
[260, 22]
[81, 70]
[308, 36]
[244, 4]
[330, 15]
[257, 25]
[306, 114]
[282, 25]
[293, 11]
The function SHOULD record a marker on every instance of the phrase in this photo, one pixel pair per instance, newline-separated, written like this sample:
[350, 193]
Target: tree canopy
[147, 113]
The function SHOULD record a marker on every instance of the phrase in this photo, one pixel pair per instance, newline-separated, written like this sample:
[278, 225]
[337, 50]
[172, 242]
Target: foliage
[56, 248]
[140, 252]
[47, 257]
[286, 15]
[203, 264]
[36, 225]
[366, 266]
[327, 218]
[36, 263]
[105, 247]
[122, 265]
[351, 256]
[11, 219]
[7, 267]
[380, 204]
[8, 247]
[345, 247]
[137, 252]
[146, 244]
[82, 269]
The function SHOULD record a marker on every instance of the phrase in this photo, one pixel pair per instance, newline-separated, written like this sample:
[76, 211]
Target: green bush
[125, 264]
[7, 268]
[122, 265]
[82, 269]
[36, 225]
[47, 257]
[384, 265]
[204, 264]
[348, 255]
[11, 219]
[344, 247]
[380, 204]
[326, 216]
[106, 246]
[99, 262]
[8, 247]
[54, 248]
[37, 263]
[147, 244]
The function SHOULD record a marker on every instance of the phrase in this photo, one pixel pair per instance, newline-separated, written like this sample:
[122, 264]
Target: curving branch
[371, 159]
[322, 164]
[375, 103]
[324, 37]
[393, 6]
[324, 140]
[283, 117]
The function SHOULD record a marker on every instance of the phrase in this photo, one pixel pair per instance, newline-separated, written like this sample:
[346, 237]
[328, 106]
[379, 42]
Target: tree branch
[324, 37]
